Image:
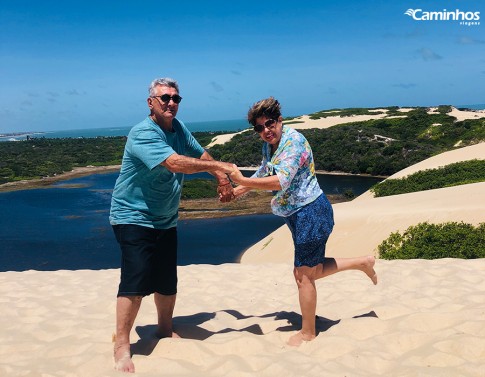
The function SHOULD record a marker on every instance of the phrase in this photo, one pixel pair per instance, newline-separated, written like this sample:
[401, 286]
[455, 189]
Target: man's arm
[221, 176]
[224, 187]
[177, 163]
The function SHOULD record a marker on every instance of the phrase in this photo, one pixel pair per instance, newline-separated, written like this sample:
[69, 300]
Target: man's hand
[225, 191]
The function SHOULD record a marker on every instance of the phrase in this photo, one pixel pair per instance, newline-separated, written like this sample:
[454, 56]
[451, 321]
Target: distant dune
[304, 121]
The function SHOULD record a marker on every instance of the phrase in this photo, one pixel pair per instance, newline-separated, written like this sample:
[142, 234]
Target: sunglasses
[166, 98]
[269, 124]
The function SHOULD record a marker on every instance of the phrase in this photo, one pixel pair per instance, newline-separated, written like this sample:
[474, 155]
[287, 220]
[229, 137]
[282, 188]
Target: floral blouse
[293, 163]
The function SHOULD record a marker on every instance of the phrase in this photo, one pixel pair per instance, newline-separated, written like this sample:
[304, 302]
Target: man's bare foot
[297, 339]
[368, 268]
[123, 362]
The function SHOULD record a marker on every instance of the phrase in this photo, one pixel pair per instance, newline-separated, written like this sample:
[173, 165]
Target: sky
[88, 64]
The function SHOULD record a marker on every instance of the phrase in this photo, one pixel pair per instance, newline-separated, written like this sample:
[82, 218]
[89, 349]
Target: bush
[459, 173]
[433, 241]
[349, 194]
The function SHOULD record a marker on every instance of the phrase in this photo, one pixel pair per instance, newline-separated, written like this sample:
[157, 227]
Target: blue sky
[85, 64]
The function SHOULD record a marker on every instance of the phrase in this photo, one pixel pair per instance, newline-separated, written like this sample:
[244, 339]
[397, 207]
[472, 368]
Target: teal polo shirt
[146, 193]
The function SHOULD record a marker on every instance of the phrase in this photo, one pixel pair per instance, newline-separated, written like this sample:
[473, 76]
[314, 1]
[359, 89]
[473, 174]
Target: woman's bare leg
[334, 265]
[307, 293]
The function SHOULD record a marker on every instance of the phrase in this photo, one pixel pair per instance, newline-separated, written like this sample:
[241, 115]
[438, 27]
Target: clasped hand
[226, 191]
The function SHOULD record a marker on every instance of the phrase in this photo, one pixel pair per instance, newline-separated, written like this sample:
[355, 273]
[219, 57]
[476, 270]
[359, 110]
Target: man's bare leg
[126, 310]
[165, 307]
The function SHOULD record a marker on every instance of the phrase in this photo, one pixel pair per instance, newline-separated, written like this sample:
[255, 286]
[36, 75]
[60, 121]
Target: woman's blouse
[293, 164]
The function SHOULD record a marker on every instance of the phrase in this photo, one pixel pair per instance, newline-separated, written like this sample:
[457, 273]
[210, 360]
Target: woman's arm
[264, 183]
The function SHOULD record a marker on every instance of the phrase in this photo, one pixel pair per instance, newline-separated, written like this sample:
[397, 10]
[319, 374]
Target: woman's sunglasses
[166, 98]
[269, 124]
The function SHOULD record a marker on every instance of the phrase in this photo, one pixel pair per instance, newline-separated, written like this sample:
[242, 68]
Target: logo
[464, 18]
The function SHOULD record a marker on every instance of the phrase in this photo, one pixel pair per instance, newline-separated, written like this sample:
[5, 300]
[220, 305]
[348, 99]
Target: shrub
[349, 194]
[459, 173]
[433, 241]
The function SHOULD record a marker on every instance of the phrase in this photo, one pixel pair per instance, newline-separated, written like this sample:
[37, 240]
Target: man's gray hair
[165, 81]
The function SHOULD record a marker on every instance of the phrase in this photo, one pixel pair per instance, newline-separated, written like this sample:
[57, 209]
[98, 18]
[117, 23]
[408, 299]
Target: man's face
[163, 110]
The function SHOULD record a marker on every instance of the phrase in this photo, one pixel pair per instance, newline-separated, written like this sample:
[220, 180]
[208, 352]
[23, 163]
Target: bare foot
[123, 362]
[297, 339]
[368, 268]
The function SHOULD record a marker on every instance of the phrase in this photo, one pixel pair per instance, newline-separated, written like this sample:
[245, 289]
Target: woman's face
[271, 129]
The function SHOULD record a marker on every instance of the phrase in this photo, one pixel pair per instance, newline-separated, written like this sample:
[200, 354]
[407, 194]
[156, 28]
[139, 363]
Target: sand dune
[423, 318]
[304, 121]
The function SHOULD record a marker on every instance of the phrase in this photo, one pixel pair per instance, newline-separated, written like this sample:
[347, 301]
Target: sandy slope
[424, 318]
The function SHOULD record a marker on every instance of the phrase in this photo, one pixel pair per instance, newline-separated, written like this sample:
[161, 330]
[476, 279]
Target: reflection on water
[66, 227]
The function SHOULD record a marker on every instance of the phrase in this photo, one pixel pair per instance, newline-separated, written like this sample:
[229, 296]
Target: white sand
[424, 318]
[306, 123]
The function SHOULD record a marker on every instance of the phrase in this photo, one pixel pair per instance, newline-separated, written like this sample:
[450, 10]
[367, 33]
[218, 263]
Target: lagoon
[66, 227]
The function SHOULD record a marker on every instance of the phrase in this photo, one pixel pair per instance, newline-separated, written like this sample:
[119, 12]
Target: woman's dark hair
[269, 107]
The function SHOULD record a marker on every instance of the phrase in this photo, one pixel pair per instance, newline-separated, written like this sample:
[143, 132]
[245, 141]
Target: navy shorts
[310, 228]
[148, 260]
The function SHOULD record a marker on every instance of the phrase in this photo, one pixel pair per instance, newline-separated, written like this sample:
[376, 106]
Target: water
[66, 227]
[221, 125]
[330, 183]
[480, 106]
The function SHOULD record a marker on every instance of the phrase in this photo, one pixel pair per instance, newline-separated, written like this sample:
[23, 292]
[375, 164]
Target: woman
[288, 169]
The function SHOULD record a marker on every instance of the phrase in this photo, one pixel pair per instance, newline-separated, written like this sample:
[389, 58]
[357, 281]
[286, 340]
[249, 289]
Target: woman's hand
[240, 191]
[236, 175]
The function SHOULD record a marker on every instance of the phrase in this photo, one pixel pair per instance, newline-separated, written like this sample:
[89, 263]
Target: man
[144, 211]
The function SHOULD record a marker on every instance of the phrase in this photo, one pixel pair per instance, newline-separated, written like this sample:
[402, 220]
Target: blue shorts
[148, 260]
[310, 228]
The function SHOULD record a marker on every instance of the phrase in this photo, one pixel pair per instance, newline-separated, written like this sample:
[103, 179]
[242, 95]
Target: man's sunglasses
[269, 124]
[166, 98]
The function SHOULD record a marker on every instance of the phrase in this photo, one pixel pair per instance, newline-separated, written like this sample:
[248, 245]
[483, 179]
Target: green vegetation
[36, 158]
[294, 121]
[199, 188]
[432, 241]
[459, 173]
[377, 147]
[345, 112]
[444, 109]
[205, 138]
[243, 149]
[42, 157]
